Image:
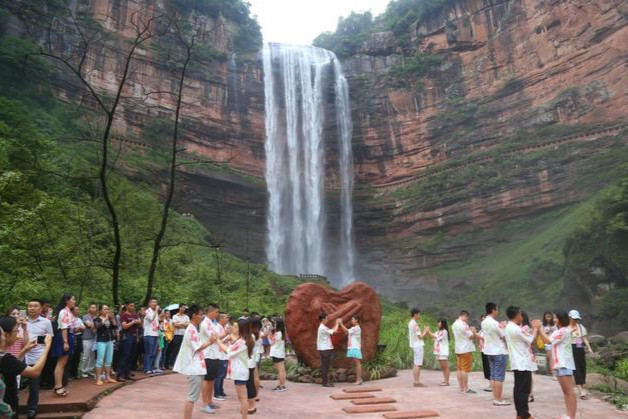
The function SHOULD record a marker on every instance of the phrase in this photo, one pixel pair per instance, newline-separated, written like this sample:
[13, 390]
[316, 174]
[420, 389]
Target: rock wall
[506, 71]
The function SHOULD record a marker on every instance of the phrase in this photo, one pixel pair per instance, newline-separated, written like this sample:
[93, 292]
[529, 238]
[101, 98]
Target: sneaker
[158, 371]
[469, 391]
[282, 388]
[85, 375]
[226, 396]
[501, 403]
[220, 398]
[208, 409]
[276, 388]
[488, 390]
[324, 385]
[149, 372]
[213, 406]
[419, 385]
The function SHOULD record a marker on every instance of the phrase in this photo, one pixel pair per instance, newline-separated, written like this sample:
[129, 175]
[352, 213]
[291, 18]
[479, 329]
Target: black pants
[251, 392]
[486, 366]
[77, 354]
[326, 357]
[127, 354]
[579, 357]
[174, 347]
[521, 392]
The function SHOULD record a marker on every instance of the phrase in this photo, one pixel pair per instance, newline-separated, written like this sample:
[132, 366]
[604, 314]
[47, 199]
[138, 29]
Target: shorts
[465, 361]
[240, 382]
[265, 342]
[354, 353]
[213, 369]
[442, 357]
[563, 372]
[548, 347]
[498, 367]
[418, 355]
[195, 383]
[277, 360]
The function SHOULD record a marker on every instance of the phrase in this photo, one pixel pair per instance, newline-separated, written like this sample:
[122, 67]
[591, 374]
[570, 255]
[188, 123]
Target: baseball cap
[574, 314]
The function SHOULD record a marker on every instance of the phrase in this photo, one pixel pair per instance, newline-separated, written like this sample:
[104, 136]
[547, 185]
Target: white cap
[574, 314]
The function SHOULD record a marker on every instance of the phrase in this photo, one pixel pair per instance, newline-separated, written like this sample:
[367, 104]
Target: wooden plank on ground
[375, 400]
[360, 389]
[351, 396]
[411, 414]
[369, 409]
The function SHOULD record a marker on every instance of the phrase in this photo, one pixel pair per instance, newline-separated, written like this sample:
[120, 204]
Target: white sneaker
[208, 409]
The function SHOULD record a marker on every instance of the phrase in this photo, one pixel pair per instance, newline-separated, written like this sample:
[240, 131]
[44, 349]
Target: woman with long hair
[278, 352]
[354, 347]
[17, 347]
[441, 349]
[549, 327]
[63, 342]
[239, 352]
[105, 325]
[527, 329]
[252, 385]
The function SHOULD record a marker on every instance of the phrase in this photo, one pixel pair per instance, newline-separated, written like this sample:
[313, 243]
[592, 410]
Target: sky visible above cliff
[300, 21]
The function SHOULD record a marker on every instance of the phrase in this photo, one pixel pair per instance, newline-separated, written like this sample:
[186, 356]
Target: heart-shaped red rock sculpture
[308, 300]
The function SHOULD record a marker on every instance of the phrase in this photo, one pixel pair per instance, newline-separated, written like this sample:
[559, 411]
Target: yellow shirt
[168, 330]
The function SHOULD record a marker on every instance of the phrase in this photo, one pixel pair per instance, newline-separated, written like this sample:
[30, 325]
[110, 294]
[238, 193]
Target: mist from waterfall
[296, 97]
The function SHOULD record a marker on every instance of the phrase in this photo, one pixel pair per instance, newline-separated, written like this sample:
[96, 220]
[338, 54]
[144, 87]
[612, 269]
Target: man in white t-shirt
[496, 352]
[463, 335]
[210, 333]
[191, 361]
[415, 337]
[151, 335]
[325, 347]
[180, 322]
[522, 360]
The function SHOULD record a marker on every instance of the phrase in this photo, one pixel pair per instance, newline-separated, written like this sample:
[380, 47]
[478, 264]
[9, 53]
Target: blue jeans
[219, 389]
[498, 367]
[33, 395]
[127, 354]
[104, 353]
[150, 351]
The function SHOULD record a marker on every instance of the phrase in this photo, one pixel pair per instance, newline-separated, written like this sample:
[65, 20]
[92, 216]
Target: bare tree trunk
[157, 246]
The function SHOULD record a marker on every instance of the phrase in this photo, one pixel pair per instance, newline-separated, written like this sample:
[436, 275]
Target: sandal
[60, 392]
[584, 396]
[252, 412]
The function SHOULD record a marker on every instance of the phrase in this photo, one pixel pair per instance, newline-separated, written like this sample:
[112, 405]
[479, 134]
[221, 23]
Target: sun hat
[574, 314]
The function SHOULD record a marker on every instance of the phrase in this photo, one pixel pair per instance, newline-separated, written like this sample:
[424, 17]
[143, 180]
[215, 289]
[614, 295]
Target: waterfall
[296, 99]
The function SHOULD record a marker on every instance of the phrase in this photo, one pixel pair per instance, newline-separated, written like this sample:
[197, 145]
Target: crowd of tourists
[46, 346]
[560, 336]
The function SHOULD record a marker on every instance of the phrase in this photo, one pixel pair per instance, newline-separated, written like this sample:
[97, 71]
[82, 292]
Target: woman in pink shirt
[17, 347]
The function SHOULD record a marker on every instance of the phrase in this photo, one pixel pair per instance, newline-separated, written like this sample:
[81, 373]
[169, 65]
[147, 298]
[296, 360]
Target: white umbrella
[172, 307]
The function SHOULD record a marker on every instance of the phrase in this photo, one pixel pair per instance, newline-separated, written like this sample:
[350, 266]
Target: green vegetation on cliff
[352, 31]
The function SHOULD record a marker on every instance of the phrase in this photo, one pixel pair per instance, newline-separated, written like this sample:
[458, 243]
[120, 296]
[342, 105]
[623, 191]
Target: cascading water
[295, 81]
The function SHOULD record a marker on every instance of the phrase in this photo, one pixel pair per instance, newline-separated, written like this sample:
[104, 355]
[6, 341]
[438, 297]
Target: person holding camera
[38, 328]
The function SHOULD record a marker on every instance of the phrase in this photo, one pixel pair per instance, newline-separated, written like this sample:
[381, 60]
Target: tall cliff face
[470, 143]
[464, 142]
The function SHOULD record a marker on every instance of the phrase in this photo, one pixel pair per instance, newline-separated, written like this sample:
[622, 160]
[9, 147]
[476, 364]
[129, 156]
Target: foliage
[413, 68]
[248, 34]
[350, 34]
[353, 30]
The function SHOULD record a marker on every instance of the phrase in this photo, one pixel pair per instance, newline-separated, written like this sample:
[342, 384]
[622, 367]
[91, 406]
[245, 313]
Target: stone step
[411, 414]
[369, 409]
[375, 400]
[351, 396]
[60, 415]
[361, 389]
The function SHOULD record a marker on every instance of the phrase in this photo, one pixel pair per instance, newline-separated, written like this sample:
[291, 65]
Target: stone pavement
[162, 397]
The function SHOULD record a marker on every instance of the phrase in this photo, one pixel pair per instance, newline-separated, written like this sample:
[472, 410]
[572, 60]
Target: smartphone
[23, 313]
[41, 340]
